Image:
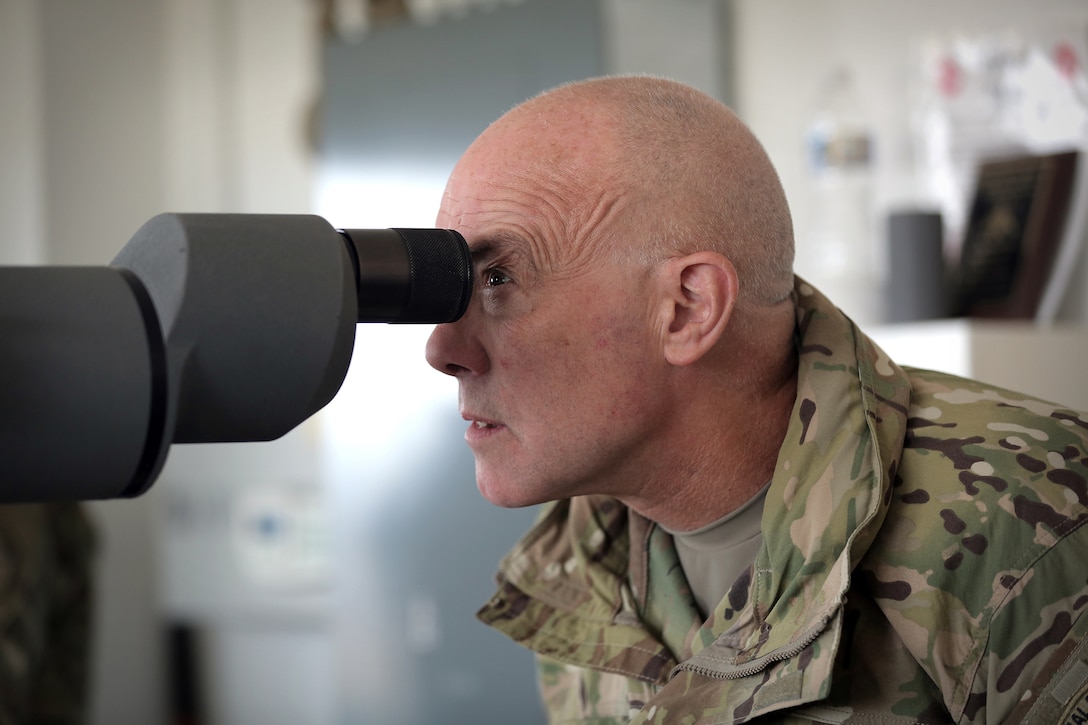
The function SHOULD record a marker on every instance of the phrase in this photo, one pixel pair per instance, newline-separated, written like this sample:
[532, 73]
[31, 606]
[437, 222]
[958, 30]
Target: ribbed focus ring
[441, 273]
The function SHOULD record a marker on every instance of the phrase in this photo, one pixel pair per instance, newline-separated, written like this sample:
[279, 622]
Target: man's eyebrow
[498, 246]
[483, 250]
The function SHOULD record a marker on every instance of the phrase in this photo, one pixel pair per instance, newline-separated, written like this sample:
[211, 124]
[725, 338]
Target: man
[758, 516]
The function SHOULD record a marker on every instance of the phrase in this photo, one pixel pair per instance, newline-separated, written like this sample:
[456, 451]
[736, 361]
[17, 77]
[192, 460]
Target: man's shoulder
[994, 456]
[967, 423]
[929, 384]
[981, 551]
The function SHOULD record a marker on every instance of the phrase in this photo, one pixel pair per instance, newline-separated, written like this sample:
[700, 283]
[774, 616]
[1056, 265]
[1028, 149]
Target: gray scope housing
[204, 328]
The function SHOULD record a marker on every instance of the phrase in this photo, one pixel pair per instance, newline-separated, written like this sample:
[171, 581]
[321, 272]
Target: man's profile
[757, 514]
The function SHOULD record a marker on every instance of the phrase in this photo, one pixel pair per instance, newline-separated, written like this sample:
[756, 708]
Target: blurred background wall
[113, 111]
[267, 561]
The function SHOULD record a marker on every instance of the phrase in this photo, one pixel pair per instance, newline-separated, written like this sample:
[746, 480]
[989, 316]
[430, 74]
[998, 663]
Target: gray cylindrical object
[206, 328]
[82, 384]
[258, 313]
[411, 275]
[916, 285]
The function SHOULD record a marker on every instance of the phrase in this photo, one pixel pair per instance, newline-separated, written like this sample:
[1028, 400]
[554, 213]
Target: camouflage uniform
[45, 613]
[923, 561]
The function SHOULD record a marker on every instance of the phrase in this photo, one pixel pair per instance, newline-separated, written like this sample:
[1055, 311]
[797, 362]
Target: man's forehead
[548, 163]
[525, 179]
[545, 130]
[468, 196]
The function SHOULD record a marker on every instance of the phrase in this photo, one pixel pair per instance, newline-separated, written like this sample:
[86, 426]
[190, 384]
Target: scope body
[204, 328]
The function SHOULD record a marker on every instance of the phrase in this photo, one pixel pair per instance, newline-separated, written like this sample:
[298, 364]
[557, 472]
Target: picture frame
[1013, 233]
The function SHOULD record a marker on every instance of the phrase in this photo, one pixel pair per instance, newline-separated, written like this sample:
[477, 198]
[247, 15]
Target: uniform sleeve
[1036, 664]
[46, 554]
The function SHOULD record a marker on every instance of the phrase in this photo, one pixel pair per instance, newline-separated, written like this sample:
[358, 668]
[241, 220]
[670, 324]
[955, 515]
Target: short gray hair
[702, 179]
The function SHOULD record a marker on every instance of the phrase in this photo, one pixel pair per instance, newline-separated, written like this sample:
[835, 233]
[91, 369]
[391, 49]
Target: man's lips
[480, 428]
[479, 420]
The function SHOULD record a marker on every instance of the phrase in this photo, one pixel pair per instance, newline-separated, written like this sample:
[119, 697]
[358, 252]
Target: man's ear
[699, 293]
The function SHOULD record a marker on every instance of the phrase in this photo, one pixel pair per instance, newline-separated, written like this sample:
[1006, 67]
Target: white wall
[20, 135]
[78, 129]
[241, 80]
[784, 48]
[116, 110]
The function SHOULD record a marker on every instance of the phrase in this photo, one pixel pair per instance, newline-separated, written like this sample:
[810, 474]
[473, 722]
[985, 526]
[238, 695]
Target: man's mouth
[482, 424]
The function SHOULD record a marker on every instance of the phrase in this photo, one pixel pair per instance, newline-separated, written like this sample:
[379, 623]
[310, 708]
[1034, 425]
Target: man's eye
[495, 277]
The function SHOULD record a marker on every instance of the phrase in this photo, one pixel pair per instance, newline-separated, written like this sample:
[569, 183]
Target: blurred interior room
[332, 576]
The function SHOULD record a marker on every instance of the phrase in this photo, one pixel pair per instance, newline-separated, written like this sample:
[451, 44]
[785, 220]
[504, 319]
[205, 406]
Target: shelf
[1047, 362]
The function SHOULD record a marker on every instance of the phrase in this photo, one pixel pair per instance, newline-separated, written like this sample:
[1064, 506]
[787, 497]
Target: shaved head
[691, 174]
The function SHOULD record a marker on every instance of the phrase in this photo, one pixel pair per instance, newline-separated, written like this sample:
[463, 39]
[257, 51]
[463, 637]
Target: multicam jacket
[46, 570]
[923, 561]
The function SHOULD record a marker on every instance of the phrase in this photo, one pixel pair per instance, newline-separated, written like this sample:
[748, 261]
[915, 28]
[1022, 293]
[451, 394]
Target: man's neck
[726, 449]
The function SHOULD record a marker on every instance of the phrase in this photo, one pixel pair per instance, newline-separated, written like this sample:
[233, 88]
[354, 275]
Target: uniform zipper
[779, 655]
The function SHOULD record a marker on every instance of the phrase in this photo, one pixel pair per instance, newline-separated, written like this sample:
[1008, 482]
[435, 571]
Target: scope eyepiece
[410, 275]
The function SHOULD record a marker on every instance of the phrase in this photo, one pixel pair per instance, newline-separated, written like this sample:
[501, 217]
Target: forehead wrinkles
[565, 217]
[574, 215]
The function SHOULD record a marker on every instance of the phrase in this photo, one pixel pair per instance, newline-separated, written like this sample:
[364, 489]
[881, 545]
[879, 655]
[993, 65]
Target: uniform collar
[828, 498]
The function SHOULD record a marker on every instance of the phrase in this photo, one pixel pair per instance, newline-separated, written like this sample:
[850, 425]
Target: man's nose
[454, 350]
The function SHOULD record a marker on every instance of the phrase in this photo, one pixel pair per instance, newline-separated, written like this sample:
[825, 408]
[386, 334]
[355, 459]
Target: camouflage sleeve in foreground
[45, 613]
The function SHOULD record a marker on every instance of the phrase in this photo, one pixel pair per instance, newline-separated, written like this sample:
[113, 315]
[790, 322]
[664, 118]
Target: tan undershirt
[716, 554]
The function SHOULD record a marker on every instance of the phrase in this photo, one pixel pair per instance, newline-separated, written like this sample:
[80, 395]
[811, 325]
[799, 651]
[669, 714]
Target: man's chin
[503, 493]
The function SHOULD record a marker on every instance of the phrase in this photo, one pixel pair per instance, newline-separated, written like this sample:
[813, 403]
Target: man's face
[555, 357]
